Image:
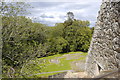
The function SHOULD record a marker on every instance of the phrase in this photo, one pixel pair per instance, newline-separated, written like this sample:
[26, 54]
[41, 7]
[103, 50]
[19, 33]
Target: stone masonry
[104, 51]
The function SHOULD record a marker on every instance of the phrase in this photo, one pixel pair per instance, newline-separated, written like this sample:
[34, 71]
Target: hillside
[46, 66]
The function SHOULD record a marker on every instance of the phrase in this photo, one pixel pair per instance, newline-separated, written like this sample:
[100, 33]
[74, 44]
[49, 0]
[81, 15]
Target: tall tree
[14, 29]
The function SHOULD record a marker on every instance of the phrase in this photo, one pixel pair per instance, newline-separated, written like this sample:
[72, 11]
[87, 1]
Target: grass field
[60, 62]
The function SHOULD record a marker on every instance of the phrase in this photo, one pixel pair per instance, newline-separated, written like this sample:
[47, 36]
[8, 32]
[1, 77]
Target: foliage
[84, 37]
[75, 34]
[24, 40]
[57, 44]
[14, 8]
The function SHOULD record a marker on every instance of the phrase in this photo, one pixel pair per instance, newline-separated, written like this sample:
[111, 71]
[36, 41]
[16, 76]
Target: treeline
[69, 36]
[24, 40]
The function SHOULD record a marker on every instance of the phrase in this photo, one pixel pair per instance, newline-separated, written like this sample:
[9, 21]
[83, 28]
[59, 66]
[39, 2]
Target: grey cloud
[46, 16]
[45, 4]
[49, 23]
[41, 8]
[72, 6]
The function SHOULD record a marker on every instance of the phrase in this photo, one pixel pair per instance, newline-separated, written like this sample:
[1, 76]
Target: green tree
[37, 33]
[22, 41]
[57, 45]
[78, 35]
[15, 28]
[14, 8]
[14, 31]
[92, 29]
[83, 39]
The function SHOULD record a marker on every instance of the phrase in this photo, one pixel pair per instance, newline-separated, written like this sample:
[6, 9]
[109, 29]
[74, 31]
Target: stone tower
[104, 51]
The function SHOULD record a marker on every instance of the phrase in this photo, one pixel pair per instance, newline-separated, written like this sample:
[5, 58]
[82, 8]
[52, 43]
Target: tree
[92, 29]
[70, 15]
[78, 35]
[57, 45]
[15, 28]
[14, 31]
[83, 39]
[37, 33]
[14, 8]
[22, 41]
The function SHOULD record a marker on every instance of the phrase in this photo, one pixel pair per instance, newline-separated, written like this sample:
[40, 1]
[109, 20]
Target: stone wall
[59, 75]
[104, 51]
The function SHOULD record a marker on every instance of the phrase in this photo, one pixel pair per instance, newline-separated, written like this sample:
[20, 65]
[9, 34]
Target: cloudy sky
[55, 12]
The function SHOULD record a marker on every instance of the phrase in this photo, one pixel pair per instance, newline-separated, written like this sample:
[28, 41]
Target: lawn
[59, 62]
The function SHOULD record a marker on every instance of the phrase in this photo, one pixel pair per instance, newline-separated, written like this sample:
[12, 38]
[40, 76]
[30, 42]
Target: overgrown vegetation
[24, 40]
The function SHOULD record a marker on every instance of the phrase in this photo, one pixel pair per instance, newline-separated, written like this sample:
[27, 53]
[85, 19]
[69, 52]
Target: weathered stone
[103, 5]
[104, 51]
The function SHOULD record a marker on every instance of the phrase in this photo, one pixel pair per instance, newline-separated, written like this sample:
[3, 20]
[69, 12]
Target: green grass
[44, 65]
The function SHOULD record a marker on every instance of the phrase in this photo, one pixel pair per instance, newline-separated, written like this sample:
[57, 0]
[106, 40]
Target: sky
[50, 13]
